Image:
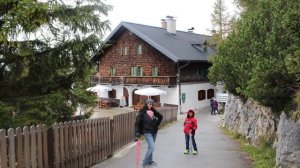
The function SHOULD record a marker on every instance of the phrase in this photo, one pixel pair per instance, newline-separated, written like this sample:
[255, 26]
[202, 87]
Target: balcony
[193, 78]
[139, 80]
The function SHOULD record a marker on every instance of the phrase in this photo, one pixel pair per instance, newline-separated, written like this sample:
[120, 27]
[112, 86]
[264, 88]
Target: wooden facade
[116, 63]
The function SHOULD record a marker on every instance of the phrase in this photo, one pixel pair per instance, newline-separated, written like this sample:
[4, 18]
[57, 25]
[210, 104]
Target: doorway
[126, 95]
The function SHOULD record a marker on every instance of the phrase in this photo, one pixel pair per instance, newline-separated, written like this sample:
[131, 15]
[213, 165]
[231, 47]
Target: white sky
[188, 13]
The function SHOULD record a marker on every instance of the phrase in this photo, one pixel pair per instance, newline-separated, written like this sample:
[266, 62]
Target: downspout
[98, 70]
[179, 84]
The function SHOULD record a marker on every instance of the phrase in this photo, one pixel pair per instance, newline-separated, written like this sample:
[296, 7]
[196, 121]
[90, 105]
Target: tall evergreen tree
[220, 18]
[45, 51]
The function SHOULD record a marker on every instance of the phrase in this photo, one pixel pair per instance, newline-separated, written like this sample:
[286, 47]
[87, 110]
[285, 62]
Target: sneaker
[195, 152]
[152, 163]
[186, 151]
[146, 166]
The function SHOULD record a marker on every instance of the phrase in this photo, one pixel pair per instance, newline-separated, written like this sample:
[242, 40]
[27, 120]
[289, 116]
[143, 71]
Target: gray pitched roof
[184, 46]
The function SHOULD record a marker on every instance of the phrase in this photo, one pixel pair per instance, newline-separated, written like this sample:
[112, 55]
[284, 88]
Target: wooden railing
[194, 78]
[75, 144]
[144, 80]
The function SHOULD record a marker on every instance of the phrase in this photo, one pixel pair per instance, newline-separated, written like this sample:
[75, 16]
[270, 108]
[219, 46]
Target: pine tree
[220, 18]
[45, 51]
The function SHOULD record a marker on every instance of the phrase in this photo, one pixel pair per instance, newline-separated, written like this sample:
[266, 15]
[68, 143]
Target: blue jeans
[187, 142]
[150, 138]
[215, 109]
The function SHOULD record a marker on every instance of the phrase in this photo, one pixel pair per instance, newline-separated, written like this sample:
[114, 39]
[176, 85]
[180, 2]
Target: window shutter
[139, 49]
[154, 71]
[112, 71]
[131, 71]
[141, 71]
[126, 50]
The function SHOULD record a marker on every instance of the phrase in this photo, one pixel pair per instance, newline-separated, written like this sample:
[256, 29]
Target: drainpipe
[98, 70]
[179, 84]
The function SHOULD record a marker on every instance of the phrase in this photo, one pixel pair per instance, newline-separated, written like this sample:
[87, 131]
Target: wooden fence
[75, 144]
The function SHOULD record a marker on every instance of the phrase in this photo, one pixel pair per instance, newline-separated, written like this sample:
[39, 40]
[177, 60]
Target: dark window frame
[210, 93]
[201, 95]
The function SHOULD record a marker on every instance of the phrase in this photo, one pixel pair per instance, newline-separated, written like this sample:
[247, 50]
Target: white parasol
[150, 92]
[99, 88]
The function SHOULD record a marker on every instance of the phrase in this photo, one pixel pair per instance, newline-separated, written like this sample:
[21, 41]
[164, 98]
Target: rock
[250, 119]
[288, 145]
[258, 124]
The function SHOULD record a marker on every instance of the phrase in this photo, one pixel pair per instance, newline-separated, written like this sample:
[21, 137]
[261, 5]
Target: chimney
[213, 32]
[191, 30]
[171, 25]
[163, 23]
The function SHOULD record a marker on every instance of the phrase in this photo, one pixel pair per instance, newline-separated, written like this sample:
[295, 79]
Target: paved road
[215, 149]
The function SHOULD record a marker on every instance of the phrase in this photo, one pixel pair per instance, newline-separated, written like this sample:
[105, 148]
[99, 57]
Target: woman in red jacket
[190, 126]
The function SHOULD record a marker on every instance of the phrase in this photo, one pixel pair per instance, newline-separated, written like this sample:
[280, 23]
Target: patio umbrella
[99, 88]
[150, 92]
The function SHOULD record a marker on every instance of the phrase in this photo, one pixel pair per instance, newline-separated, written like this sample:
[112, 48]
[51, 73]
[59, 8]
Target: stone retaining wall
[258, 124]
[255, 122]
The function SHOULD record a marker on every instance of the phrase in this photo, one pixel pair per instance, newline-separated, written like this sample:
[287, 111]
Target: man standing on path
[215, 107]
[211, 105]
[147, 122]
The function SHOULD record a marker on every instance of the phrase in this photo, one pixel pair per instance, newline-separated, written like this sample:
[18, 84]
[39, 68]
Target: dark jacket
[211, 102]
[144, 123]
[215, 104]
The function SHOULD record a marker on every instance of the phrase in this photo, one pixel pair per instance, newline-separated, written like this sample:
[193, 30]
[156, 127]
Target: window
[210, 93]
[112, 93]
[112, 71]
[203, 72]
[154, 71]
[126, 50]
[139, 49]
[133, 71]
[121, 50]
[139, 71]
[201, 94]
[136, 71]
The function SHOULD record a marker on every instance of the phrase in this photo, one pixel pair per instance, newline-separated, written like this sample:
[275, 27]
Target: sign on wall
[222, 97]
[183, 97]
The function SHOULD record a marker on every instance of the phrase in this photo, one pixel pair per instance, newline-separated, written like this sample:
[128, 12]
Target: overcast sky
[188, 13]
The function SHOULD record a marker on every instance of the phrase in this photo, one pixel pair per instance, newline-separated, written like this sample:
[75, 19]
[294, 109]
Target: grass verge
[262, 156]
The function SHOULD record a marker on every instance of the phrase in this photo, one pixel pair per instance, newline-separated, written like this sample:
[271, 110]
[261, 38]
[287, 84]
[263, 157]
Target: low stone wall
[288, 145]
[255, 122]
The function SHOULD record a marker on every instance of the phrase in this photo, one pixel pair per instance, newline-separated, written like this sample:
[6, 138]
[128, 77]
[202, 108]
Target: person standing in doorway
[147, 122]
